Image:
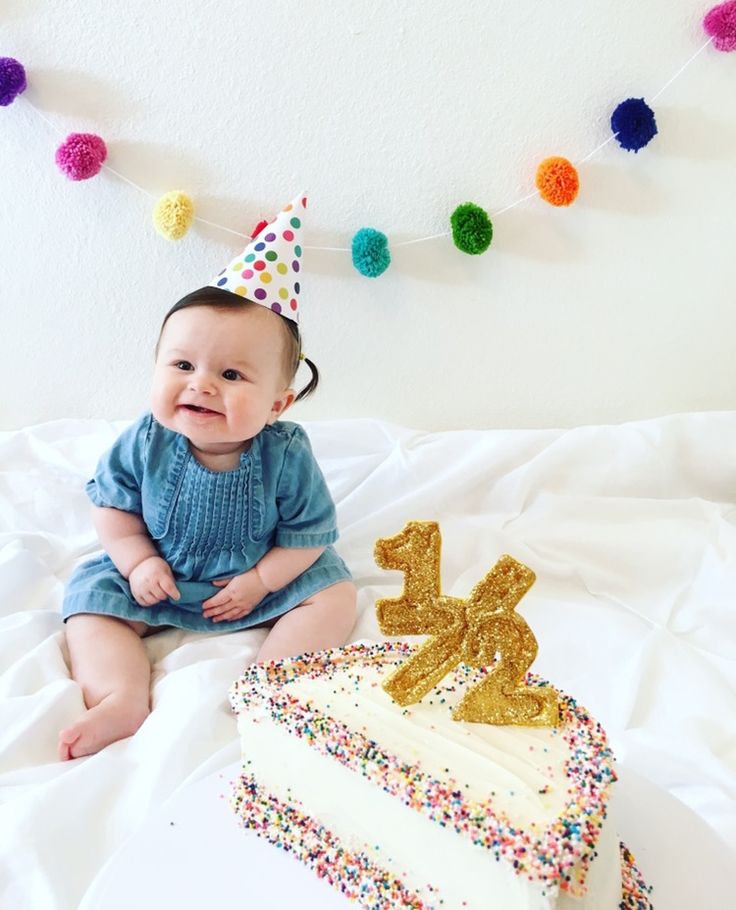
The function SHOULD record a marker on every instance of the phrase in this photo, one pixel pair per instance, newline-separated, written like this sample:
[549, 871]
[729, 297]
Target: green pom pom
[472, 230]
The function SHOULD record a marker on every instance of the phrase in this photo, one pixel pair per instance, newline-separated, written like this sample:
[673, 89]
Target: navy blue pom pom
[633, 123]
[370, 252]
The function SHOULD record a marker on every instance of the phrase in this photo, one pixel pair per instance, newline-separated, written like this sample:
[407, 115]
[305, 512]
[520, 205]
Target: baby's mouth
[196, 409]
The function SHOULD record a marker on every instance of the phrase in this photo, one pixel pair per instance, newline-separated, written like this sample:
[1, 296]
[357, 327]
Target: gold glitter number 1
[482, 631]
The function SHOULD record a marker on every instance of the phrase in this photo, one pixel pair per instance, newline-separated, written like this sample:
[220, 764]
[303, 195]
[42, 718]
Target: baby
[213, 514]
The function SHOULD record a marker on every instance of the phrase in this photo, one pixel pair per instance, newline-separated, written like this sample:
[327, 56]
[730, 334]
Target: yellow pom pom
[173, 215]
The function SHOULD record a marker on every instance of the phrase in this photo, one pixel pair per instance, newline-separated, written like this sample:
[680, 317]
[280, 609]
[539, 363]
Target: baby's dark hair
[225, 300]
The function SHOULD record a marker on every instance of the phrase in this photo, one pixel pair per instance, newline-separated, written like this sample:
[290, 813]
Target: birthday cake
[438, 776]
[406, 807]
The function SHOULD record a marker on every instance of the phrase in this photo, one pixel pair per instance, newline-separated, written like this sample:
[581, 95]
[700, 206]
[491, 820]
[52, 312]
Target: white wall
[390, 113]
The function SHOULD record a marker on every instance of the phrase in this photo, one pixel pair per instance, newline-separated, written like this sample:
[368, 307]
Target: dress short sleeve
[307, 515]
[119, 475]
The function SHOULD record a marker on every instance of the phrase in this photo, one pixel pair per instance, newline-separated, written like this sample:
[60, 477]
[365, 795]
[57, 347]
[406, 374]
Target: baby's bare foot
[112, 719]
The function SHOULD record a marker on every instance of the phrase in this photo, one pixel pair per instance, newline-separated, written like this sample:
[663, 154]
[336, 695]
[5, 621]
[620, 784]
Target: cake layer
[458, 815]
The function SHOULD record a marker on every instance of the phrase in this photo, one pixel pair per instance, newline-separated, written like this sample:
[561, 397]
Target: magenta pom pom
[720, 24]
[12, 80]
[80, 156]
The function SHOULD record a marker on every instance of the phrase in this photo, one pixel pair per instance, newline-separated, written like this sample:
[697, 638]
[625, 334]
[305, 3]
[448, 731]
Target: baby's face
[219, 377]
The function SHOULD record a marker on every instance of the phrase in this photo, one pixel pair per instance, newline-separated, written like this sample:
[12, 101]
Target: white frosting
[519, 761]
[514, 763]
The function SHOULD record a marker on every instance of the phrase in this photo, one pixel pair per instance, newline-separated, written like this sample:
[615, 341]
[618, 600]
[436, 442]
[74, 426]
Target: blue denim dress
[210, 525]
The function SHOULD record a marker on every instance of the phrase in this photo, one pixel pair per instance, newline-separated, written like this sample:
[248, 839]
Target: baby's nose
[202, 382]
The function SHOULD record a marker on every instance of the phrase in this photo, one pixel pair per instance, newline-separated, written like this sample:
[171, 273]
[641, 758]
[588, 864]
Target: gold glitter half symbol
[482, 631]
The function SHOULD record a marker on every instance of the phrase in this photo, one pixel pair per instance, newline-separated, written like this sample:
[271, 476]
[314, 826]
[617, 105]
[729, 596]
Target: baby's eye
[232, 374]
[183, 365]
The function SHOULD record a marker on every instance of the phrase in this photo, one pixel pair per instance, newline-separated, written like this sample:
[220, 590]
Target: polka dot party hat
[268, 269]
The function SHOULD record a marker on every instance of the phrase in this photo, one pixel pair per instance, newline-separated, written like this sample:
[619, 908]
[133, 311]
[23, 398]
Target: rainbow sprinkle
[353, 873]
[635, 891]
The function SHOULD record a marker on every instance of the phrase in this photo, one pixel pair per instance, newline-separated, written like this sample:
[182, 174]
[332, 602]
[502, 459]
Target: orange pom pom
[557, 181]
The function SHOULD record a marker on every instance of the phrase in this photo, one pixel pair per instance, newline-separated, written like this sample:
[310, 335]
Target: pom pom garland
[720, 24]
[633, 124]
[472, 230]
[80, 156]
[371, 256]
[557, 181]
[12, 80]
[173, 215]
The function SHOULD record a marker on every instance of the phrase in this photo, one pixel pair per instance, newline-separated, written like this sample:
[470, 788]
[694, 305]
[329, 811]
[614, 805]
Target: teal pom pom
[370, 252]
[472, 230]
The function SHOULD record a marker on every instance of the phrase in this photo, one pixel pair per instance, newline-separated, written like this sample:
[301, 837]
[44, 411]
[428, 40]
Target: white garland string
[342, 249]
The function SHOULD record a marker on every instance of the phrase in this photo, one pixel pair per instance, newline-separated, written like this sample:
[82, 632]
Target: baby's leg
[324, 620]
[112, 667]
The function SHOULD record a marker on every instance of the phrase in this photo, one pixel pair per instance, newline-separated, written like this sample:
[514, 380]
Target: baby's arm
[283, 564]
[240, 595]
[128, 544]
[124, 537]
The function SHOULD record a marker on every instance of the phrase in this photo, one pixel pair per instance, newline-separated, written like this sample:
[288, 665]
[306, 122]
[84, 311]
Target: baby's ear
[284, 401]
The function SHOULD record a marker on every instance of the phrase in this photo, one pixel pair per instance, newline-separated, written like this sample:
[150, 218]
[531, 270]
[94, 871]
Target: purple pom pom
[12, 80]
[633, 124]
[80, 156]
[720, 24]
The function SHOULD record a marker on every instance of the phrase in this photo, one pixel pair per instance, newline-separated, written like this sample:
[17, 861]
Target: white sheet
[632, 533]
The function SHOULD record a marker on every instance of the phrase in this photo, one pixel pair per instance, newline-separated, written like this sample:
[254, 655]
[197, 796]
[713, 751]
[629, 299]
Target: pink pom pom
[80, 156]
[720, 24]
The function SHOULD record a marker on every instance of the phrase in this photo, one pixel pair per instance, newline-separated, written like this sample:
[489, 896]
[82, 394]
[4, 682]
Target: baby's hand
[238, 597]
[152, 581]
